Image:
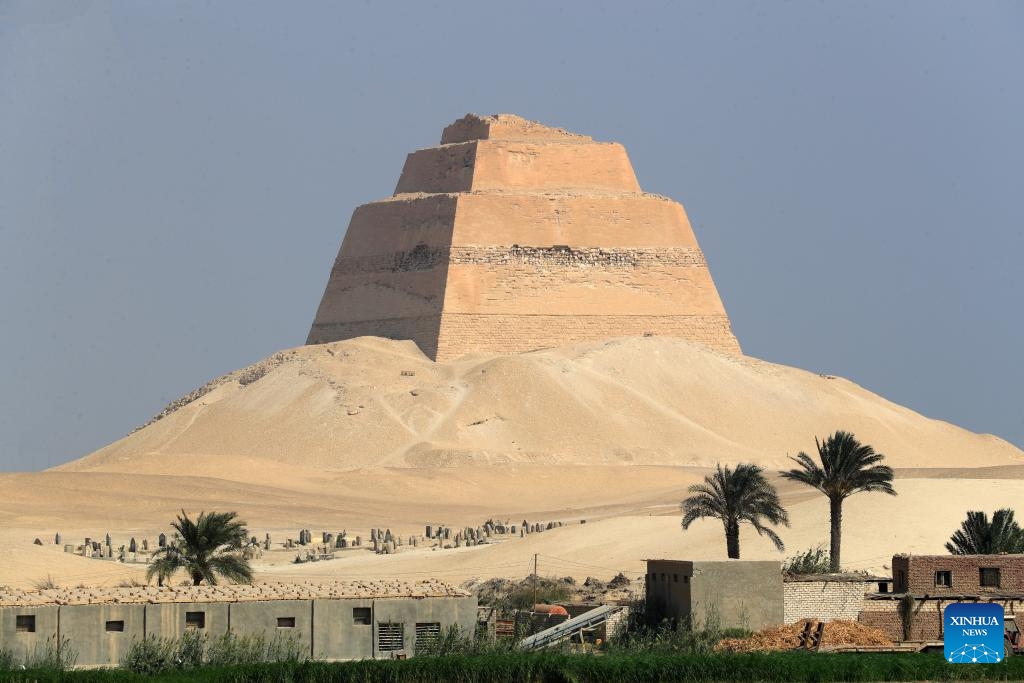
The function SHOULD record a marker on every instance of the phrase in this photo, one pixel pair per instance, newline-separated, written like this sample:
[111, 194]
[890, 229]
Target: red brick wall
[927, 622]
[920, 573]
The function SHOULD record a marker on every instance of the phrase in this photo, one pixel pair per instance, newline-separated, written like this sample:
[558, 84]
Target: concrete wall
[730, 594]
[445, 612]
[325, 628]
[266, 618]
[25, 644]
[738, 593]
[167, 620]
[85, 628]
[336, 635]
[668, 590]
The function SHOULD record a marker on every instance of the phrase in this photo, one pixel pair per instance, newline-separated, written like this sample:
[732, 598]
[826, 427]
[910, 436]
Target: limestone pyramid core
[512, 236]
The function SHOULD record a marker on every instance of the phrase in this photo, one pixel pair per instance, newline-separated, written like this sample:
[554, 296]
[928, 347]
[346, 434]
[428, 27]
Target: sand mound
[369, 433]
[372, 402]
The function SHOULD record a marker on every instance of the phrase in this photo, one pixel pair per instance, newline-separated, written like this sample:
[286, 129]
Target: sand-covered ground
[369, 433]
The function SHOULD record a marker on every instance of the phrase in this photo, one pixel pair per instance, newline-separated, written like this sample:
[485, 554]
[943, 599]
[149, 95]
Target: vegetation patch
[608, 668]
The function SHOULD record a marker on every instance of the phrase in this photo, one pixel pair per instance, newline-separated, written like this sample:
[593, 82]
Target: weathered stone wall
[463, 333]
[504, 127]
[553, 166]
[574, 219]
[824, 600]
[514, 236]
[439, 169]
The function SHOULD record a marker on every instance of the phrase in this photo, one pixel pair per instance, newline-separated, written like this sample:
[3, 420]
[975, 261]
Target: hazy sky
[176, 178]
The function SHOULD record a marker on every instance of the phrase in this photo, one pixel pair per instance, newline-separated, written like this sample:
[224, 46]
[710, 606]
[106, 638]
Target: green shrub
[149, 656]
[194, 650]
[230, 649]
[56, 656]
[811, 561]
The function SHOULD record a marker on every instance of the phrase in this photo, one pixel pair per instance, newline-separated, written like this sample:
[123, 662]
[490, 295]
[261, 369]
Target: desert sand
[370, 433]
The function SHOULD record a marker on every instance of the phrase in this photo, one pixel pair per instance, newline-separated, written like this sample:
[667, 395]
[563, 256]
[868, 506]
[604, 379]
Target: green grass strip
[575, 668]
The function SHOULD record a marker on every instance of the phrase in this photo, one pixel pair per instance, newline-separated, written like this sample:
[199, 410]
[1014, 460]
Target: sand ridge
[371, 402]
[370, 433]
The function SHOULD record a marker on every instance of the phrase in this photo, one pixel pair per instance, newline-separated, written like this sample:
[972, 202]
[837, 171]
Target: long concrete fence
[329, 629]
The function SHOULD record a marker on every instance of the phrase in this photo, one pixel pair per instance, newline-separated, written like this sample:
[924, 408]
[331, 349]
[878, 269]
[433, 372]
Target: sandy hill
[368, 432]
[371, 402]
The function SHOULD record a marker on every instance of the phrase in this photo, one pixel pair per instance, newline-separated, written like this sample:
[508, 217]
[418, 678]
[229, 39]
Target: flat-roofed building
[331, 621]
[727, 594]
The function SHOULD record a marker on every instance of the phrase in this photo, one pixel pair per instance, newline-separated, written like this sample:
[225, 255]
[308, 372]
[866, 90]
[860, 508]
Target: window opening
[390, 636]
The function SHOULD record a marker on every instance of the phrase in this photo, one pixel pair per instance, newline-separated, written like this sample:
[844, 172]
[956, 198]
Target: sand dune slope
[656, 401]
[370, 433]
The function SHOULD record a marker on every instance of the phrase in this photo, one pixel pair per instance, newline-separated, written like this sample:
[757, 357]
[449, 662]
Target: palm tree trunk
[197, 578]
[732, 539]
[836, 537]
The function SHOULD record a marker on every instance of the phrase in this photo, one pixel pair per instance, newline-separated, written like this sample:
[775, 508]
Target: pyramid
[512, 236]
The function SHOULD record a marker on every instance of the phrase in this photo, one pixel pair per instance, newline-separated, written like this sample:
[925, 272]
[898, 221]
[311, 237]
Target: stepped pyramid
[512, 236]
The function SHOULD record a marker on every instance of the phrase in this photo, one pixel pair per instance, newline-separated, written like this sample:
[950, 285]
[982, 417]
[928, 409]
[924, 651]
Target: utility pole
[534, 579]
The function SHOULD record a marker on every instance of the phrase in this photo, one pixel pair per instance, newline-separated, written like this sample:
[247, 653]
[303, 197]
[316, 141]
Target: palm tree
[735, 496]
[847, 467]
[209, 546]
[977, 536]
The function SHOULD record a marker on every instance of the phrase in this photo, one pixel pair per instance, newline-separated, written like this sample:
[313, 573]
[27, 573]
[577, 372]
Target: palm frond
[204, 547]
[978, 536]
[734, 496]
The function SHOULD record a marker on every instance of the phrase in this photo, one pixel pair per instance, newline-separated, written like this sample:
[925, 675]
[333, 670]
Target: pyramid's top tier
[507, 153]
[505, 127]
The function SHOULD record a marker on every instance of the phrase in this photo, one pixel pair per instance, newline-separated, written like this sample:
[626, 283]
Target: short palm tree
[978, 536]
[847, 467]
[736, 496]
[205, 548]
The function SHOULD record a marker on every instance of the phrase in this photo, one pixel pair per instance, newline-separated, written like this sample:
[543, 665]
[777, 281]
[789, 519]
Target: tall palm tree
[847, 467]
[736, 496]
[977, 536]
[205, 548]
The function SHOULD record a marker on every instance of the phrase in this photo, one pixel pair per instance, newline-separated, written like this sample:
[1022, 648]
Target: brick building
[829, 596]
[958, 575]
[935, 581]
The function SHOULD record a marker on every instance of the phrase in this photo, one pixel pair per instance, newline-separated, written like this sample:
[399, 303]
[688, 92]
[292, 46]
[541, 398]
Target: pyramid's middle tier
[586, 266]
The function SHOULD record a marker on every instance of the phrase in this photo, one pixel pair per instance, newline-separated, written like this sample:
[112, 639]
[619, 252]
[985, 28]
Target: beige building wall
[102, 634]
[26, 632]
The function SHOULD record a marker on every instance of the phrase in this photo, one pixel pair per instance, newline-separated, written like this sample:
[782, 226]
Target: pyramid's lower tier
[465, 272]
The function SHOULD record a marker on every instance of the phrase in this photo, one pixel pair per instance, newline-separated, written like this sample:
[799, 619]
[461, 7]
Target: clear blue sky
[176, 178]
